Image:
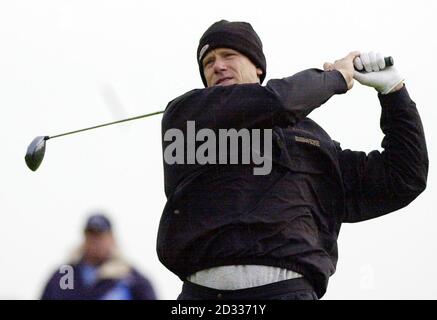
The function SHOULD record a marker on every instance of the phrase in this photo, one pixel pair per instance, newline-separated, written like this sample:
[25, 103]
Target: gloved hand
[375, 74]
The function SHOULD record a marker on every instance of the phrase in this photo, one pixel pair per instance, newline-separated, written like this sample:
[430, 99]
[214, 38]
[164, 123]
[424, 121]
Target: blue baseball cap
[98, 223]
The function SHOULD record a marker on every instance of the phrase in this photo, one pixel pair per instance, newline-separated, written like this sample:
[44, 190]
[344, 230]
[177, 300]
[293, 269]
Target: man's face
[98, 246]
[223, 67]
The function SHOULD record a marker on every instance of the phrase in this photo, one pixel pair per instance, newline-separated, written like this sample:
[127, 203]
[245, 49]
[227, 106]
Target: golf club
[36, 150]
[389, 61]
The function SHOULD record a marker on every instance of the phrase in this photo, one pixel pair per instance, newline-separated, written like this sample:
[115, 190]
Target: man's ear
[259, 72]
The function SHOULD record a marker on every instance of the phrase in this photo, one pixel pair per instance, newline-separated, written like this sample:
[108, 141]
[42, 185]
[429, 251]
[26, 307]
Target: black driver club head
[35, 152]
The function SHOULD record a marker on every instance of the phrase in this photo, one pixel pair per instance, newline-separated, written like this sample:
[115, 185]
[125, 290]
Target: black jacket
[225, 215]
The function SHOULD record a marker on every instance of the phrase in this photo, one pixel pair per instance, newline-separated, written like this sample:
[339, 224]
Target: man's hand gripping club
[369, 69]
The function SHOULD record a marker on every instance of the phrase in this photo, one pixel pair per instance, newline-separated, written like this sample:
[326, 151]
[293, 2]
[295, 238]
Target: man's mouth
[222, 80]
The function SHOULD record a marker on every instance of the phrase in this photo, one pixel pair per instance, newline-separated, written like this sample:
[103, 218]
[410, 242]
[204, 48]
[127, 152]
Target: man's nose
[219, 65]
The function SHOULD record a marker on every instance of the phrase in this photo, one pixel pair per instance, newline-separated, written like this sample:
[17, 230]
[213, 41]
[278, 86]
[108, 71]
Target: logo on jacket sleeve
[308, 141]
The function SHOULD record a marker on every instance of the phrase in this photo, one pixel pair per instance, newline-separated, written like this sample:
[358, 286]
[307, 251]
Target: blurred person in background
[97, 270]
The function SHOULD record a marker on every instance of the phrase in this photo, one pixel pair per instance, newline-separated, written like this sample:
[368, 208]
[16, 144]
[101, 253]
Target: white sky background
[65, 65]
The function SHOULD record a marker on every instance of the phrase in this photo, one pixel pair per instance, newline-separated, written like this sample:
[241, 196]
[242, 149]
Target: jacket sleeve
[381, 182]
[281, 102]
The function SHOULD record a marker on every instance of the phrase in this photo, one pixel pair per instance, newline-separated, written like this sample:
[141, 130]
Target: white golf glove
[374, 73]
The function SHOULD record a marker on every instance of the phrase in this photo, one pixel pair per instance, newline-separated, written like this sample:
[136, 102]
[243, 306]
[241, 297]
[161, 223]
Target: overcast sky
[65, 65]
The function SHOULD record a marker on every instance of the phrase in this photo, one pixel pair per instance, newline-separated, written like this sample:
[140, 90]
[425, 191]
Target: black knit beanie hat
[239, 36]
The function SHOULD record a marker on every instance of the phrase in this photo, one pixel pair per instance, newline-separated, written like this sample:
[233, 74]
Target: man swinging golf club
[231, 234]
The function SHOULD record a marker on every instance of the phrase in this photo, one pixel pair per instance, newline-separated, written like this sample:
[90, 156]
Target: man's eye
[206, 63]
[229, 55]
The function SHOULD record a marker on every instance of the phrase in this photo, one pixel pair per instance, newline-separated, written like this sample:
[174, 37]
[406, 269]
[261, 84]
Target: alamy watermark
[228, 140]
[67, 280]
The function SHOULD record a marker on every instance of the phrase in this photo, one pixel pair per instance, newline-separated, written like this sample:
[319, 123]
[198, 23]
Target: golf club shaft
[105, 124]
